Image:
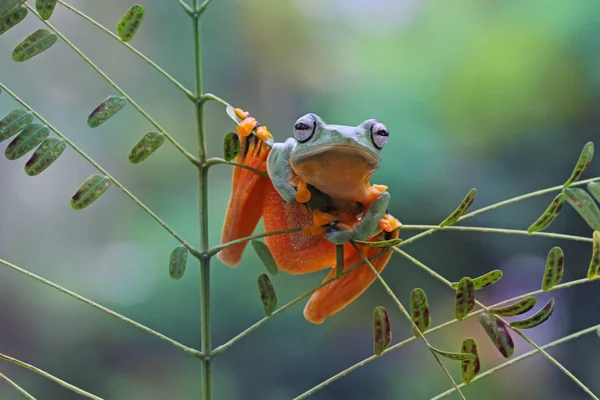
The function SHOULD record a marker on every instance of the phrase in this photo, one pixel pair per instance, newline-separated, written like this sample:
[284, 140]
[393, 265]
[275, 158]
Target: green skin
[320, 158]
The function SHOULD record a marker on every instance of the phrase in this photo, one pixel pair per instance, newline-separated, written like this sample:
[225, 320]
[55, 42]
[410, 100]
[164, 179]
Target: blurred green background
[497, 95]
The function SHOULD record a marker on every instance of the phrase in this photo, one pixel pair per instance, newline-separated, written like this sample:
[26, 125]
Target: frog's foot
[249, 124]
[389, 223]
[375, 192]
[303, 194]
[339, 233]
[321, 221]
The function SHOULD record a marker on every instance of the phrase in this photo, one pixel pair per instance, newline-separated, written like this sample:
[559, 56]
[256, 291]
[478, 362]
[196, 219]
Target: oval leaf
[382, 330]
[147, 145]
[594, 268]
[12, 20]
[14, 122]
[178, 261]
[555, 263]
[585, 159]
[231, 146]
[461, 209]
[105, 110]
[419, 310]
[594, 189]
[130, 23]
[33, 45]
[44, 156]
[7, 7]
[465, 298]
[232, 114]
[265, 256]
[27, 140]
[536, 319]
[498, 334]
[380, 244]
[488, 279]
[90, 191]
[549, 215]
[454, 356]
[45, 8]
[585, 206]
[470, 368]
[518, 308]
[267, 294]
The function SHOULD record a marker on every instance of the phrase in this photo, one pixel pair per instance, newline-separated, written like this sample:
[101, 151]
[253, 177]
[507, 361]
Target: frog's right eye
[304, 128]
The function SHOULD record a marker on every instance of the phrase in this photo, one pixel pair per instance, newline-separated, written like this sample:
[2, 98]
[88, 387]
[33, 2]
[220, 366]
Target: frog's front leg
[280, 171]
[367, 227]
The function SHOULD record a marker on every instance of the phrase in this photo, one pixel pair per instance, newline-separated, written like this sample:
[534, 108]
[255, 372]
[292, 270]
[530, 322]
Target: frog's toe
[336, 233]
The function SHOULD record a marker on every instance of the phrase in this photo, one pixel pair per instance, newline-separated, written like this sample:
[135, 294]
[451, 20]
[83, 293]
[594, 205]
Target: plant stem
[214, 250]
[97, 306]
[517, 331]
[85, 58]
[209, 96]
[17, 387]
[215, 161]
[49, 376]
[118, 184]
[407, 315]
[186, 8]
[138, 53]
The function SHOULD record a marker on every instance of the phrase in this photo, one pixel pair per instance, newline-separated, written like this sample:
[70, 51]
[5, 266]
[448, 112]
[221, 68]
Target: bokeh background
[497, 95]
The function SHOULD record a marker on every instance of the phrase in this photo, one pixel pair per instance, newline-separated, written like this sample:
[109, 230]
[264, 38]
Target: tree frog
[319, 181]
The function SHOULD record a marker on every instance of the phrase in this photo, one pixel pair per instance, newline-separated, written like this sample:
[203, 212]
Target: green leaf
[265, 256]
[419, 310]
[488, 279]
[12, 20]
[585, 159]
[461, 209]
[178, 261]
[594, 267]
[28, 139]
[147, 145]
[130, 23]
[14, 122]
[518, 308]
[105, 110]
[594, 189]
[44, 156]
[498, 333]
[585, 206]
[536, 319]
[39, 41]
[470, 368]
[549, 215]
[465, 298]
[380, 244]
[382, 330]
[231, 146]
[339, 260]
[454, 356]
[90, 191]
[267, 294]
[45, 8]
[555, 263]
[7, 7]
[232, 114]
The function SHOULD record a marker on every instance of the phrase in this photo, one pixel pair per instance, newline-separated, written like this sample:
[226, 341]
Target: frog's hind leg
[341, 292]
[247, 198]
[295, 253]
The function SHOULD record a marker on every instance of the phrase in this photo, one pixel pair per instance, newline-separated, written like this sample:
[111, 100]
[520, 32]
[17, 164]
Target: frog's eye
[304, 128]
[379, 135]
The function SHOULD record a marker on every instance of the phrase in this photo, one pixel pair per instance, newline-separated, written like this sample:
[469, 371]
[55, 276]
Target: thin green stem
[215, 161]
[517, 331]
[186, 8]
[515, 360]
[49, 376]
[17, 387]
[138, 53]
[211, 97]
[97, 306]
[168, 136]
[216, 249]
[162, 223]
[408, 317]
[403, 343]
[203, 7]
[498, 230]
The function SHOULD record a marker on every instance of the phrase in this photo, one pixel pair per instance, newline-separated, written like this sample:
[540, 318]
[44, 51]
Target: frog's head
[316, 140]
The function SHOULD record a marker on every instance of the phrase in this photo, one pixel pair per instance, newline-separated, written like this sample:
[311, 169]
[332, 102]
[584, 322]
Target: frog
[316, 183]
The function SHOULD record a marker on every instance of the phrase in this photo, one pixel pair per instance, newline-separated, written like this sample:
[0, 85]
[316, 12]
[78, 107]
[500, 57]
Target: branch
[215, 161]
[17, 387]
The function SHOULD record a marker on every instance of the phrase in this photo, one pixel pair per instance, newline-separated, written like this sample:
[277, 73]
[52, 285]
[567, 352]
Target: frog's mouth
[342, 152]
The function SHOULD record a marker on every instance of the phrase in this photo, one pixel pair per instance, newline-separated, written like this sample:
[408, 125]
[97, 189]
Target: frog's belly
[340, 178]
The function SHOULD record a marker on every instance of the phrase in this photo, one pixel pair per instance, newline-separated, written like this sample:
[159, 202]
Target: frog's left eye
[379, 135]
[304, 128]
